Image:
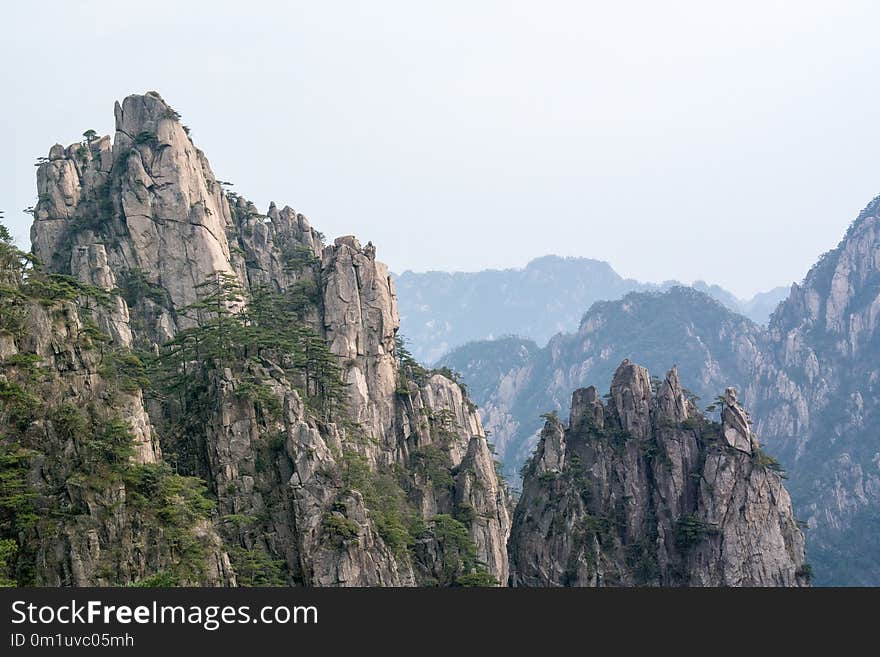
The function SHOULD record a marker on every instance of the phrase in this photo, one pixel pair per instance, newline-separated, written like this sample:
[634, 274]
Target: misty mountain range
[440, 311]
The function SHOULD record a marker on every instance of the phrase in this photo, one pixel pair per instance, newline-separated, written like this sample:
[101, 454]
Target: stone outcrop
[143, 218]
[59, 392]
[735, 424]
[360, 322]
[643, 490]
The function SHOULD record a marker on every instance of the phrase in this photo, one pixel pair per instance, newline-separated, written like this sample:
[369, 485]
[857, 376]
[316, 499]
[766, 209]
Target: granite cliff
[644, 490]
[259, 364]
[820, 419]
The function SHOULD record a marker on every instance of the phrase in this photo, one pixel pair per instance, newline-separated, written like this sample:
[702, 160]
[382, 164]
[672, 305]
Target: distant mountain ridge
[443, 310]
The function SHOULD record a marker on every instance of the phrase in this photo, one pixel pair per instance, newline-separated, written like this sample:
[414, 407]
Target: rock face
[75, 444]
[360, 322]
[393, 484]
[821, 418]
[643, 490]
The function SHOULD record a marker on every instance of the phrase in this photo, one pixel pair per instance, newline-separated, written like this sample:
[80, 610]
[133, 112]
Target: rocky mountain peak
[586, 407]
[147, 113]
[631, 396]
[672, 402]
[268, 364]
[824, 338]
[653, 494]
[148, 205]
[736, 425]
[832, 296]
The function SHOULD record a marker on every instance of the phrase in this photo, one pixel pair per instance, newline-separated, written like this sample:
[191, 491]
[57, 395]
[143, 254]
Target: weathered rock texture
[60, 393]
[821, 418]
[146, 220]
[643, 490]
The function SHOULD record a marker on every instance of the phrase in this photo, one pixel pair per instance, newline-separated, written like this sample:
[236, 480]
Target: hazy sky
[732, 142]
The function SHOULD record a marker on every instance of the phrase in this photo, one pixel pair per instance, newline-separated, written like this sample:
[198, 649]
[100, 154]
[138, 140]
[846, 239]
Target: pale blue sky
[732, 142]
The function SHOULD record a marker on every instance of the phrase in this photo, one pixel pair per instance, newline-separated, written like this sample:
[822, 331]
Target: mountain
[758, 308]
[645, 490]
[826, 337]
[194, 392]
[514, 382]
[441, 311]
[809, 377]
[761, 306]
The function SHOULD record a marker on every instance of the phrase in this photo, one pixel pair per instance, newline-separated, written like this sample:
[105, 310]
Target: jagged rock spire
[650, 496]
[631, 397]
[550, 456]
[735, 424]
[587, 407]
[672, 401]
